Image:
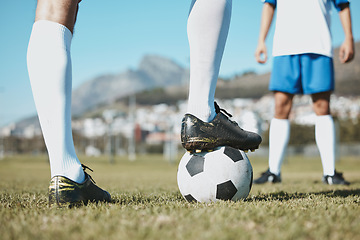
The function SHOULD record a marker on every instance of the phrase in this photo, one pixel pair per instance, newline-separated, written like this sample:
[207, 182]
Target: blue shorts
[302, 74]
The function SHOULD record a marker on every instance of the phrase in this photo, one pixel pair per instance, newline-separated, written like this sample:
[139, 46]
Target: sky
[112, 36]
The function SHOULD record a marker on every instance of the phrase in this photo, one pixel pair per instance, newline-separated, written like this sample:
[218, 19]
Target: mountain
[153, 72]
[252, 85]
[159, 72]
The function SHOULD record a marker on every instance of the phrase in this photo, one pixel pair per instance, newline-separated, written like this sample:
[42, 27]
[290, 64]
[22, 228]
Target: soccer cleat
[63, 191]
[336, 179]
[268, 177]
[197, 136]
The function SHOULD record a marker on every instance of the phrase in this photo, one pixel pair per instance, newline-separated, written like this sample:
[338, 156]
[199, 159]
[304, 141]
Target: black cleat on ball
[65, 192]
[197, 135]
[268, 177]
[336, 179]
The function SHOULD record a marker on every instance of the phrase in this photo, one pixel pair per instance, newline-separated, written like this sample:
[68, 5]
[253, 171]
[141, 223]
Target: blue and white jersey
[303, 26]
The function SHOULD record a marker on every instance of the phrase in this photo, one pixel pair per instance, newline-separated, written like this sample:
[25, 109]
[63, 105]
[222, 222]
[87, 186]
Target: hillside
[152, 72]
[252, 85]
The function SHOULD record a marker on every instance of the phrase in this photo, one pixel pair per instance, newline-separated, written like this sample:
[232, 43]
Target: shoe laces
[339, 175]
[267, 173]
[218, 109]
[84, 169]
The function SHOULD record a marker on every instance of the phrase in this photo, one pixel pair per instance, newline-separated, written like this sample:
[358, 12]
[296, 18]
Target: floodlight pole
[109, 118]
[132, 109]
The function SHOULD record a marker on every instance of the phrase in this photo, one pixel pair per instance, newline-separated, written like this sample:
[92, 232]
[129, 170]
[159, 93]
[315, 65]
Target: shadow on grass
[284, 196]
[140, 198]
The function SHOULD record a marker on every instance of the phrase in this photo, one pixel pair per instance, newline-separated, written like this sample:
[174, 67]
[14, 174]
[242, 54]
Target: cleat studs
[246, 151]
[252, 150]
[198, 150]
[210, 150]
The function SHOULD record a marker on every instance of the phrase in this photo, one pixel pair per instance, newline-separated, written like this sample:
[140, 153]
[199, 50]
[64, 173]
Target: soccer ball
[224, 174]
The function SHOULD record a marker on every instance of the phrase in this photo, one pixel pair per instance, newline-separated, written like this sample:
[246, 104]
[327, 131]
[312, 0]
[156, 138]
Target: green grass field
[148, 205]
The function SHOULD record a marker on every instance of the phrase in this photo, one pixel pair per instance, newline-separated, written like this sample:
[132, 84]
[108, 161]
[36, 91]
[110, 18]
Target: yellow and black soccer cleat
[197, 135]
[63, 191]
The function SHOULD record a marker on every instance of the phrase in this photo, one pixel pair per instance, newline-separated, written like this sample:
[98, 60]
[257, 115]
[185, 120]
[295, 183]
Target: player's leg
[324, 131]
[285, 81]
[63, 12]
[318, 80]
[49, 65]
[325, 137]
[279, 134]
[50, 73]
[208, 26]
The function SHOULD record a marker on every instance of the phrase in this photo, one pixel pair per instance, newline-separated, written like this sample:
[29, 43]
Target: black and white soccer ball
[224, 174]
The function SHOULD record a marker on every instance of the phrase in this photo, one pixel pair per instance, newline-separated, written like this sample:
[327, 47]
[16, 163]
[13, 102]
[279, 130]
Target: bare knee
[63, 12]
[321, 103]
[283, 104]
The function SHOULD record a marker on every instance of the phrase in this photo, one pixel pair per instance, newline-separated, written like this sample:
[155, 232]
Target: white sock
[208, 26]
[49, 67]
[278, 140]
[325, 140]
